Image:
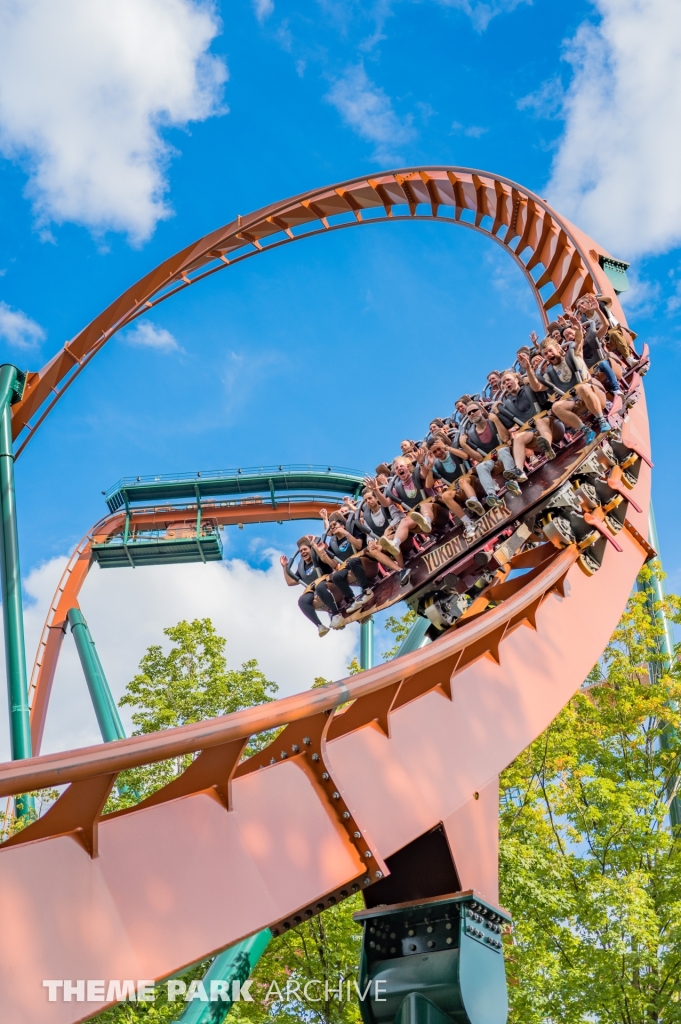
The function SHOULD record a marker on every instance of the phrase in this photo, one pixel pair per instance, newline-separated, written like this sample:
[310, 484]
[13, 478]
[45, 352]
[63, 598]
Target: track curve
[512, 216]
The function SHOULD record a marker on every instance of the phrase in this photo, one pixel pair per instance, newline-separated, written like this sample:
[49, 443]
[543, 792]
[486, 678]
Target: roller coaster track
[248, 509]
[363, 767]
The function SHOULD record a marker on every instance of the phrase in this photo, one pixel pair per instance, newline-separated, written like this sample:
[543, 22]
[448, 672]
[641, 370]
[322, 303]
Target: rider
[342, 543]
[487, 434]
[447, 463]
[566, 374]
[308, 571]
[521, 405]
[407, 488]
[375, 521]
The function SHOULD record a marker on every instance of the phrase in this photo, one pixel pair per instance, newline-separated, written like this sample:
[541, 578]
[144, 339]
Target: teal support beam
[109, 721]
[415, 638]
[11, 386]
[366, 644]
[232, 966]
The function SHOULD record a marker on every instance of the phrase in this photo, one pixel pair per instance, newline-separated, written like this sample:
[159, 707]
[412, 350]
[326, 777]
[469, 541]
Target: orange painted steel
[499, 208]
[423, 741]
[253, 510]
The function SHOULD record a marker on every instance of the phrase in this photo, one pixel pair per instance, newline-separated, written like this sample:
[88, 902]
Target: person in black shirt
[307, 567]
[362, 569]
[521, 405]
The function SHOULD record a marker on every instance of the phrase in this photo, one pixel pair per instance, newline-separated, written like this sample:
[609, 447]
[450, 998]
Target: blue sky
[147, 126]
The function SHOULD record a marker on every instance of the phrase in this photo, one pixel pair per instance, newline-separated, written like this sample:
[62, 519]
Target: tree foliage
[590, 868]
[399, 627]
[188, 684]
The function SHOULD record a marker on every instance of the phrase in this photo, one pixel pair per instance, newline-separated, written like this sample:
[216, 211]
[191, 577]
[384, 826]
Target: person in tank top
[487, 434]
[565, 372]
[362, 569]
[448, 463]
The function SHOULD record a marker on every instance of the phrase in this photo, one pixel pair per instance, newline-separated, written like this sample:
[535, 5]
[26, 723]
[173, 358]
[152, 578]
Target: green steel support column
[366, 644]
[234, 965]
[13, 619]
[106, 711]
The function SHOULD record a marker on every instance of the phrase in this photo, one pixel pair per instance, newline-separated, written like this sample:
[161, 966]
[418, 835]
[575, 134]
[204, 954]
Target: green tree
[188, 684]
[399, 627]
[590, 868]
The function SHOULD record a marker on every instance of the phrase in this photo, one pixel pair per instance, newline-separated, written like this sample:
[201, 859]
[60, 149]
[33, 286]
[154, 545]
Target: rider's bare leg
[520, 443]
[563, 410]
[594, 399]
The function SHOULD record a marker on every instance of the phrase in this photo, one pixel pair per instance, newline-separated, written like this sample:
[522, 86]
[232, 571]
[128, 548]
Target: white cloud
[482, 13]
[127, 610]
[146, 334]
[641, 297]
[473, 131]
[618, 165]
[85, 89]
[263, 9]
[19, 330]
[546, 101]
[367, 109]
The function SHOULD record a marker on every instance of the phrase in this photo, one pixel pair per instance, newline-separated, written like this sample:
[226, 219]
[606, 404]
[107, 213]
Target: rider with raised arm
[520, 406]
[375, 521]
[407, 488]
[595, 326]
[567, 375]
[308, 567]
[487, 435]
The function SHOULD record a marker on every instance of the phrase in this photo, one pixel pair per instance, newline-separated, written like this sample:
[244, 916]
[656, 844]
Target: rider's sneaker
[469, 530]
[322, 629]
[390, 549]
[337, 622]
[424, 524]
[493, 500]
[603, 425]
[545, 448]
[475, 506]
[360, 601]
[405, 576]
[515, 474]
[514, 487]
